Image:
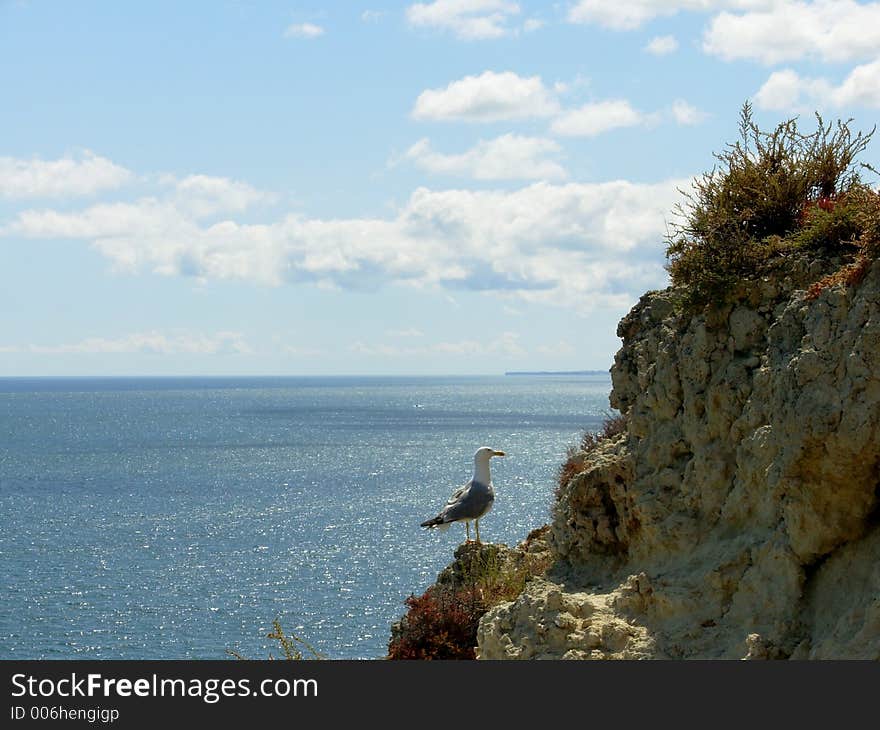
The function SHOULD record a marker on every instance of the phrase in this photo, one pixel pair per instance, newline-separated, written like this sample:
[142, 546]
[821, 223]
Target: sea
[178, 518]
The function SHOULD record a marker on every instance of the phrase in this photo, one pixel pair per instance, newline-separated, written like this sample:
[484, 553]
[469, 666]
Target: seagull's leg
[467, 527]
[477, 527]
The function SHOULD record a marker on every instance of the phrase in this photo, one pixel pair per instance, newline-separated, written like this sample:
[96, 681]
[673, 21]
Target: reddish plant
[825, 202]
[440, 624]
[848, 275]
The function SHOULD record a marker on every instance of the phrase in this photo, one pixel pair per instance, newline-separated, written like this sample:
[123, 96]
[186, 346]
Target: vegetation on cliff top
[773, 194]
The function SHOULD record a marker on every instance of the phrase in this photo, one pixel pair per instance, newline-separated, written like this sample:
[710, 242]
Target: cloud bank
[581, 245]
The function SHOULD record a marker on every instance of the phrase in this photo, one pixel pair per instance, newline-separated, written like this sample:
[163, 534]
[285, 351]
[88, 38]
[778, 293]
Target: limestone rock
[736, 517]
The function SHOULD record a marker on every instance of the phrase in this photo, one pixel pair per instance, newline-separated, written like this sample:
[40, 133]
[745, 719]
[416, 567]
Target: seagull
[471, 501]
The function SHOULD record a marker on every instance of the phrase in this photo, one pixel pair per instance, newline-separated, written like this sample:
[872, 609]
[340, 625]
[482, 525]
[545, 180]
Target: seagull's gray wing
[470, 502]
[456, 495]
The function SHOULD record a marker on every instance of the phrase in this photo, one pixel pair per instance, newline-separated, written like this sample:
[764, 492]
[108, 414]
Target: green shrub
[829, 226]
[867, 217]
[770, 193]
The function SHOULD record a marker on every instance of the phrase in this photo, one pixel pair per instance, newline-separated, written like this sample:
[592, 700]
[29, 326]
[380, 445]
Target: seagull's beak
[498, 453]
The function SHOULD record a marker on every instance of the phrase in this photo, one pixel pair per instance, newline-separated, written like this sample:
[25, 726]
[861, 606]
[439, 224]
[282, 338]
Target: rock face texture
[737, 517]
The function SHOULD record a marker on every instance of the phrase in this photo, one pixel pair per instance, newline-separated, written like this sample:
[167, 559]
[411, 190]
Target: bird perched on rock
[473, 500]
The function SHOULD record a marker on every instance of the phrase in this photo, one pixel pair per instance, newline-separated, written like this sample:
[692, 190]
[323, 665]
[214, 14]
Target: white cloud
[594, 119]
[577, 245]
[686, 114]
[831, 30]
[152, 342]
[631, 14]
[662, 45]
[591, 120]
[488, 97]
[372, 16]
[303, 30]
[788, 90]
[509, 157]
[533, 24]
[79, 176]
[466, 19]
[861, 87]
[622, 15]
[205, 195]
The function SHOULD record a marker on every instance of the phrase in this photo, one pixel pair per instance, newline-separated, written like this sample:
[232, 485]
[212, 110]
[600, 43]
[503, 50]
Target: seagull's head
[484, 453]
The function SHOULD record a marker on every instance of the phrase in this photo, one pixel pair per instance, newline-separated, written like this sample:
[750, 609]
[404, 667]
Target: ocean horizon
[174, 517]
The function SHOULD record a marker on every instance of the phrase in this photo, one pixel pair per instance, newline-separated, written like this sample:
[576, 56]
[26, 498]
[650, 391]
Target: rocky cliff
[737, 516]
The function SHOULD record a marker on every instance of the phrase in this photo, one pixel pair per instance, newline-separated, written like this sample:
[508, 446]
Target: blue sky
[459, 186]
